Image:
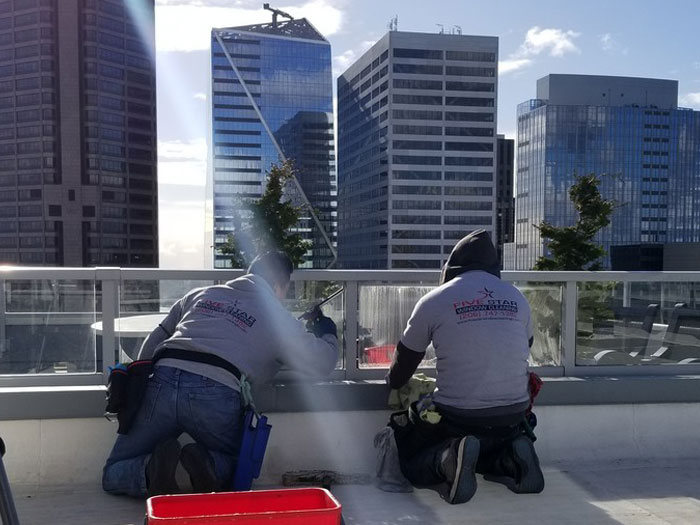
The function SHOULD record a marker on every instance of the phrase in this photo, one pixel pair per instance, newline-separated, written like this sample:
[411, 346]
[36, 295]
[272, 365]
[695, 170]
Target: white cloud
[200, 96]
[696, 65]
[610, 45]
[510, 65]
[186, 25]
[344, 60]
[691, 100]
[555, 42]
[347, 58]
[181, 162]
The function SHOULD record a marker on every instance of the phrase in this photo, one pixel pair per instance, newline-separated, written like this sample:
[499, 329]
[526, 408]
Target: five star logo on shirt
[485, 306]
[486, 293]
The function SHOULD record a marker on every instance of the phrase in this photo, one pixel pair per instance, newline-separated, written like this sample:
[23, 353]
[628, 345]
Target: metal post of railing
[3, 319]
[568, 359]
[351, 329]
[110, 278]
[626, 294]
[8, 513]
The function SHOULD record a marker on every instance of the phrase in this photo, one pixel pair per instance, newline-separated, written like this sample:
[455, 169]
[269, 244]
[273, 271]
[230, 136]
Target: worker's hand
[319, 325]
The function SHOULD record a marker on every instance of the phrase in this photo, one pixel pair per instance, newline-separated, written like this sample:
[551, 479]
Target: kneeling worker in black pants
[481, 329]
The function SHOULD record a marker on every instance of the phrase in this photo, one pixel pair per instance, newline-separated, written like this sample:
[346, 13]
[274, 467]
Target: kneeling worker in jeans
[481, 330]
[243, 323]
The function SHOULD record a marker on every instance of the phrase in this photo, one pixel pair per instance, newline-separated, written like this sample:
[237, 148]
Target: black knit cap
[275, 267]
[473, 252]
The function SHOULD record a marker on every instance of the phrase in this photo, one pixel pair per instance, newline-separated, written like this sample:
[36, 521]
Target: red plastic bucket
[379, 354]
[305, 506]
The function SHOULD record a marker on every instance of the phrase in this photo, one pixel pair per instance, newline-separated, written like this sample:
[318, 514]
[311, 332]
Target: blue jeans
[177, 401]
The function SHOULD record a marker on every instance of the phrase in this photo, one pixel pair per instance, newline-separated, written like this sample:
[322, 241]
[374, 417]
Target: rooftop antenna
[394, 23]
[442, 28]
[457, 29]
[276, 13]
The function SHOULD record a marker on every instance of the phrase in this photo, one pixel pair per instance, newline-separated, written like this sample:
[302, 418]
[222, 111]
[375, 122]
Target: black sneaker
[530, 479]
[160, 469]
[200, 466]
[458, 467]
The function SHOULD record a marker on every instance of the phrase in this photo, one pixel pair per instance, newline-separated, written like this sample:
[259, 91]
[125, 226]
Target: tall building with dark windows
[78, 182]
[416, 149]
[505, 201]
[272, 100]
[631, 133]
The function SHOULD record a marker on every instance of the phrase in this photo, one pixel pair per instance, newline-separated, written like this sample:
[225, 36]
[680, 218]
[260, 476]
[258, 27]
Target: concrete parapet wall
[62, 451]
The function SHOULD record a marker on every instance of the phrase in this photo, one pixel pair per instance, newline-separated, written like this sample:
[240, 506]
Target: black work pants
[421, 451]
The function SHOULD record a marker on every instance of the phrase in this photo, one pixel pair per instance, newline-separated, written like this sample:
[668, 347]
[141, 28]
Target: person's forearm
[405, 363]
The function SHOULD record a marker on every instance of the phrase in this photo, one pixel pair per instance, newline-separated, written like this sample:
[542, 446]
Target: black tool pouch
[412, 434]
[125, 392]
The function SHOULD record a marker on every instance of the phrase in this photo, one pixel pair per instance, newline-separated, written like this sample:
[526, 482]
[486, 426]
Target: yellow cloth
[429, 415]
[417, 386]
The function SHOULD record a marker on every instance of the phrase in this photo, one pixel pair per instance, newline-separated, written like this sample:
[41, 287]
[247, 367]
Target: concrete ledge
[340, 396]
[63, 451]
[59, 402]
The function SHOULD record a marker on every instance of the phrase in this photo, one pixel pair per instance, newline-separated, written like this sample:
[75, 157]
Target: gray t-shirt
[244, 323]
[480, 327]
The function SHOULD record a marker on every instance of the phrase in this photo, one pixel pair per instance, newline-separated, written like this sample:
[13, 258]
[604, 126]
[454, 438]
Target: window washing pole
[8, 513]
[304, 198]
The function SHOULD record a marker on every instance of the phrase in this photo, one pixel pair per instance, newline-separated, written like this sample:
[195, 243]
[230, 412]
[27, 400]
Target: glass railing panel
[546, 302]
[144, 303]
[330, 295]
[638, 323]
[47, 326]
[384, 310]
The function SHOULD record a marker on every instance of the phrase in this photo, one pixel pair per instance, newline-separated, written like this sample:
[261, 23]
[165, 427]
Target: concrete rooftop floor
[652, 493]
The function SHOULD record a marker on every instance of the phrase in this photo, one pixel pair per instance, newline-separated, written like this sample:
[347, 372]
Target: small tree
[269, 228]
[572, 247]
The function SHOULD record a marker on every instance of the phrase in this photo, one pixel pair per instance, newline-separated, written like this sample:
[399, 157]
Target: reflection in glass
[286, 69]
[546, 311]
[632, 323]
[46, 327]
[303, 296]
[383, 314]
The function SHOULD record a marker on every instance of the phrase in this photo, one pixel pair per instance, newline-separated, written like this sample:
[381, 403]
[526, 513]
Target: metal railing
[66, 327]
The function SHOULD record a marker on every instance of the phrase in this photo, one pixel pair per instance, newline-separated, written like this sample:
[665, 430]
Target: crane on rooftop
[276, 13]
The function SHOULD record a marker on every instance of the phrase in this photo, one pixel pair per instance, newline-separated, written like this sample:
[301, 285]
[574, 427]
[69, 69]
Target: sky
[641, 38]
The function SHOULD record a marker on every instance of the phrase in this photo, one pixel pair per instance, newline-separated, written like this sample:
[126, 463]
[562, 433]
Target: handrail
[112, 280]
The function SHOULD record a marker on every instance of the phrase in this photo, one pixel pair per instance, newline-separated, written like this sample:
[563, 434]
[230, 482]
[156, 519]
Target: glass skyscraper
[78, 182]
[628, 131]
[271, 100]
[505, 202]
[416, 149]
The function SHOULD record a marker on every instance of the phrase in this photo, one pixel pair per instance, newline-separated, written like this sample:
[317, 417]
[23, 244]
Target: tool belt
[126, 386]
[413, 434]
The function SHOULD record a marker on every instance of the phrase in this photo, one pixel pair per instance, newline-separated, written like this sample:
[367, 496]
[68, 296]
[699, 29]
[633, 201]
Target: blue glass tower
[272, 100]
[628, 131]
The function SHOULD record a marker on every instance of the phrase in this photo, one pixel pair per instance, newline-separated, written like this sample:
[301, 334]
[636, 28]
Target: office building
[632, 134]
[272, 100]
[78, 182]
[505, 201]
[416, 149]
